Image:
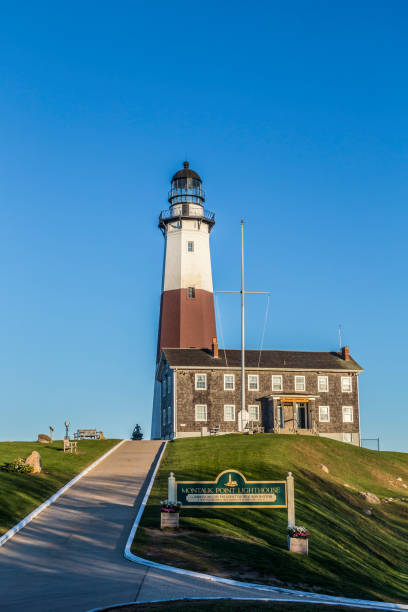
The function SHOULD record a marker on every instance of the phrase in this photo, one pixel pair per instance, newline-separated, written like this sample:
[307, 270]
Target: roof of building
[186, 172]
[279, 360]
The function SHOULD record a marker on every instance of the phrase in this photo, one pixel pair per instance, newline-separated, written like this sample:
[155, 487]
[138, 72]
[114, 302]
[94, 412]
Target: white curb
[312, 597]
[12, 532]
[187, 599]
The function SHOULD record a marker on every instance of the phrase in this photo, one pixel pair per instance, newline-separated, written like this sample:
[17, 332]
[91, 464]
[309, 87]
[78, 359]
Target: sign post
[290, 486]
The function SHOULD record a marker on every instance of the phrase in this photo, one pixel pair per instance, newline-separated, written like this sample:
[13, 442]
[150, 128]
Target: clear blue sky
[295, 115]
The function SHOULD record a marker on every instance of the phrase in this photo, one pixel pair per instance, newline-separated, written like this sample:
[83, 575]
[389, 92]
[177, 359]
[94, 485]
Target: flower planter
[169, 520]
[298, 545]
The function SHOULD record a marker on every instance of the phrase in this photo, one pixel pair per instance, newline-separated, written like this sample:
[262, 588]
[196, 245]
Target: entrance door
[243, 419]
[301, 415]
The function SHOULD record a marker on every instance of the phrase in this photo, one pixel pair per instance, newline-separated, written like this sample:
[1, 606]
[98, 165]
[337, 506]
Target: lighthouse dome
[185, 173]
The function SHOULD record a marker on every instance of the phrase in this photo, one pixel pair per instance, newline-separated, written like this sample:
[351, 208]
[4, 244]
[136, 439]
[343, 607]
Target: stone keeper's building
[198, 386]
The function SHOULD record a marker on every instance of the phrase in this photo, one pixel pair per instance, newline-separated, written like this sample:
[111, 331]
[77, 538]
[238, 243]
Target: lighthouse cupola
[186, 198]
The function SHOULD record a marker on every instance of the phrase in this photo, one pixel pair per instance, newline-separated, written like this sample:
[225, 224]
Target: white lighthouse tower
[187, 318]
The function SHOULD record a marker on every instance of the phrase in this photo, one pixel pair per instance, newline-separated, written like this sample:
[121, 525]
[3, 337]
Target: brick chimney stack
[215, 348]
[345, 353]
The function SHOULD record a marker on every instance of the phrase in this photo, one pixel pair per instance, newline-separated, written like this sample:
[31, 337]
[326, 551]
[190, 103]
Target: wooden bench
[83, 434]
[69, 446]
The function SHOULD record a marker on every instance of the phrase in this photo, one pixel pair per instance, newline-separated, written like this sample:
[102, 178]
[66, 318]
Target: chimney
[215, 348]
[345, 353]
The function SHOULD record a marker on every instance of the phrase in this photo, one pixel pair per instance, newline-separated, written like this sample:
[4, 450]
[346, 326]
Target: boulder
[35, 461]
[44, 439]
[370, 497]
[399, 479]
[324, 468]
[368, 511]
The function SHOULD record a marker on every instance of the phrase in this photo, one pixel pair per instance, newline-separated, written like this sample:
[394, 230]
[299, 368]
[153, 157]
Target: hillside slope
[352, 553]
[20, 494]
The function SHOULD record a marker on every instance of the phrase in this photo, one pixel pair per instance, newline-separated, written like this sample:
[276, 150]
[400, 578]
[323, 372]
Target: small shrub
[18, 466]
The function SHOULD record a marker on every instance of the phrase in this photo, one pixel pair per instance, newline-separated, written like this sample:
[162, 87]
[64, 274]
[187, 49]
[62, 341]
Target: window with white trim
[253, 412]
[347, 414]
[300, 383]
[346, 384]
[190, 246]
[229, 412]
[201, 412]
[324, 414]
[277, 383]
[201, 382]
[253, 382]
[347, 437]
[229, 382]
[323, 383]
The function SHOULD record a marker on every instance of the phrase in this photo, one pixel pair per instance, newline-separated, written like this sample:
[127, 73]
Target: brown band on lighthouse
[186, 322]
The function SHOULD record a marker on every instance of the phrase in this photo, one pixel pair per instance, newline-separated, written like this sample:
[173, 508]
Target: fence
[371, 443]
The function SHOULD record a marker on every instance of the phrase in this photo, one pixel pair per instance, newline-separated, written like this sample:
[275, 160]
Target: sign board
[232, 489]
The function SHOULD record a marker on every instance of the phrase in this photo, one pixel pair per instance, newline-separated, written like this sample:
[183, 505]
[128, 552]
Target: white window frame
[188, 246]
[257, 382]
[233, 412]
[257, 411]
[233, 382]
[304, 383]
[328, 414]
[347, 437]
[326, 379]
[343, 379]
[275, 377]
[197, 388]
[196, 412]
[351, 420]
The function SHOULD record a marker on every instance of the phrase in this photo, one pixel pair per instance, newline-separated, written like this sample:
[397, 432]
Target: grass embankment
[350, 553]
[21, 493]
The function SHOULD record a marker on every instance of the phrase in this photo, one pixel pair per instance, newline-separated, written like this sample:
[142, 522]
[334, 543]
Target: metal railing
[187, 212]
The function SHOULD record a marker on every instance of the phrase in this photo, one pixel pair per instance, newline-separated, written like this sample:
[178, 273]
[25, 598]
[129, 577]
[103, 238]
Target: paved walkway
[70, 558]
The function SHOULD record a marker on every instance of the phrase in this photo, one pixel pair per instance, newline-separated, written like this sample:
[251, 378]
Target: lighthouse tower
[187, 318]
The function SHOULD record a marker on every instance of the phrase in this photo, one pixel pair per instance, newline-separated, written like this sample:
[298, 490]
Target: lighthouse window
[229, 382]
[191, 292]
[229, 413]
[201, 381]
[253, 412]
[253, 382]
[201, 412]
[190, 246]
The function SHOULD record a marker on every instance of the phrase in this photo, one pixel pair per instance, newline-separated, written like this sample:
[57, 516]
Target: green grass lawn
[21, 493]
[350, 553]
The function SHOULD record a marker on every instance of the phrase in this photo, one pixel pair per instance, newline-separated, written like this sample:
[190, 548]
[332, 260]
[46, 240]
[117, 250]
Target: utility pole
[242, 323]
[243, 292]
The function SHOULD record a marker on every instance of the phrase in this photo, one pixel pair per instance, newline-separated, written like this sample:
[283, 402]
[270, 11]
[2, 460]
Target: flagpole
[242, 325]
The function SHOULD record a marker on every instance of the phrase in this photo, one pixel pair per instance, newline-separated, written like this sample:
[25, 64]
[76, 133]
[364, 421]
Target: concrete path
[70, 558]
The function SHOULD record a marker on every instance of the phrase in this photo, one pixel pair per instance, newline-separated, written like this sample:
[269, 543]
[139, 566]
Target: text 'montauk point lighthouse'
[187, 317]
